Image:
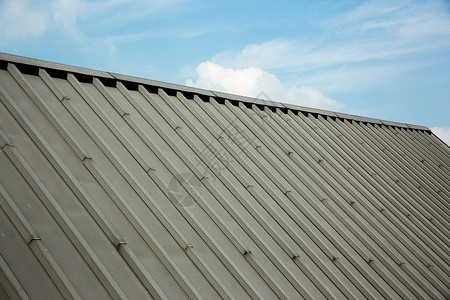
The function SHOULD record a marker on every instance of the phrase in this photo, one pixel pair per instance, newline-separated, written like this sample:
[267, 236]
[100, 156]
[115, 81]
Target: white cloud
[443, 133]
[246, 81]
[252, 81]
[308, 96]
[19, 19]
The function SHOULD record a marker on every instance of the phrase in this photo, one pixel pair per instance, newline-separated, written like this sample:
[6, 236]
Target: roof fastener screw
[120, 243]
[34, 239]
[6, 144]
[86, 158]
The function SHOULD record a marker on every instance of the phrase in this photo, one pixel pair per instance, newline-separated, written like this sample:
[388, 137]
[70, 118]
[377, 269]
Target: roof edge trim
[34, 64]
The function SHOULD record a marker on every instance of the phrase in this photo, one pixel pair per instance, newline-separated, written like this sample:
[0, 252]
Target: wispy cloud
[407, 19]
[392, 34]
[66, 14]
[20, 19]
[362, 76]
[152, 34]
[110, 14]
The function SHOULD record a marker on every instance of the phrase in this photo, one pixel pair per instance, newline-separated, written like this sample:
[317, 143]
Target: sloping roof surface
[120, 187]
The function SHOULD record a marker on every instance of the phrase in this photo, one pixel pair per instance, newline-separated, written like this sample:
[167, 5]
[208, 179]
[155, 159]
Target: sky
[382, 59]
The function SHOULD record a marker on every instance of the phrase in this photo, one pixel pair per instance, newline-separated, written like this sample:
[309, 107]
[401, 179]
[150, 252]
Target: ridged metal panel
[286, 202]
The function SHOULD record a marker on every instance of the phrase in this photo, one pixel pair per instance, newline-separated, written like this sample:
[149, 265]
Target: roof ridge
[273, 105]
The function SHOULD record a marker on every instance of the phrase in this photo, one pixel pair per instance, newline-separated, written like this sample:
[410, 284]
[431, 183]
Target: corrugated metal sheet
[118, 187]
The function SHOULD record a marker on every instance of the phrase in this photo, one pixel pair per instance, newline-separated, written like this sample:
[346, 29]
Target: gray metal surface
[119, 187]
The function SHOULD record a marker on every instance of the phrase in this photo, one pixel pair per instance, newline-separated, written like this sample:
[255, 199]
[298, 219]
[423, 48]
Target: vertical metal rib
[49, 201]
[10, 283]
[34, 242]
[184, 282]
[223, 256]
[241, 158]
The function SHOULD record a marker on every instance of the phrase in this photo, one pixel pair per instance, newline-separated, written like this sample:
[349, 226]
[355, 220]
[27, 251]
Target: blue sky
[381, 59]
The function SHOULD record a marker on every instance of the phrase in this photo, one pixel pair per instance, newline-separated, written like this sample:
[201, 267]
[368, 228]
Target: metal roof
[119, 187]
